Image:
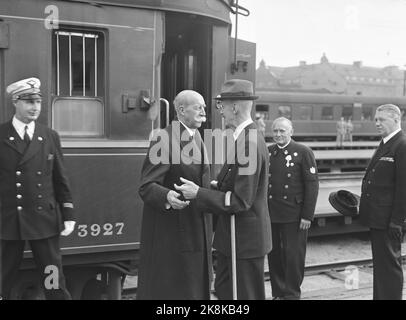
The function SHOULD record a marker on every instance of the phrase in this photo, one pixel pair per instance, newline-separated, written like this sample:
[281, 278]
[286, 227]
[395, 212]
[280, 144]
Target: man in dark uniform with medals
[36, 202]
[293, 190]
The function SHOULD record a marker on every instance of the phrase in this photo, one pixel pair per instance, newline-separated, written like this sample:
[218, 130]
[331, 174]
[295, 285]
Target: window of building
[78, 108]
[347, 112]
[327, 113]
[263, 109]
[305, 112]
[285, 111]
[366, 113]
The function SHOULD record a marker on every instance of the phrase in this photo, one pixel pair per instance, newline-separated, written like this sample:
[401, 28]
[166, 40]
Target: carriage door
[4, 42]
[186, 61]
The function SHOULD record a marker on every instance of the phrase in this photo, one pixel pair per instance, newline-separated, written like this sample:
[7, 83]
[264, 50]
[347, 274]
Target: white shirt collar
[20, 127]
[281, 147]
[241, 127]
[191, 131]
[388, 137]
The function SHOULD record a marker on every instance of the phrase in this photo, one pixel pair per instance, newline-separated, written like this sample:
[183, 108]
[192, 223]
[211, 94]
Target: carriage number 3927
[94, 230]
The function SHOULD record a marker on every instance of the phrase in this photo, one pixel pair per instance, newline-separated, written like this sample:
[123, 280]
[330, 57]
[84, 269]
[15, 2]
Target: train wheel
[93, 290]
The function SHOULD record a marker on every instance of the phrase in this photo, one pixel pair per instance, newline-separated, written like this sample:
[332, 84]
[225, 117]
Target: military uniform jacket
[175, 244]
[383, 197]
[248, 201]
[33, 184]
[293, 183]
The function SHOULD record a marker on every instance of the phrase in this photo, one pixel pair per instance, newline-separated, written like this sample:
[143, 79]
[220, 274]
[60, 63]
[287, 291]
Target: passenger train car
[109, 71]
[314, 115]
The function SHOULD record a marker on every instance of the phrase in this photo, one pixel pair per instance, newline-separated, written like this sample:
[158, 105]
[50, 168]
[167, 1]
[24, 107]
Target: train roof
[216, 9]
[300, 97]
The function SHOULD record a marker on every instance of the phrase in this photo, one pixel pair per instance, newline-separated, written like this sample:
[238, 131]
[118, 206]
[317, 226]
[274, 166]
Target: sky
[289, 31]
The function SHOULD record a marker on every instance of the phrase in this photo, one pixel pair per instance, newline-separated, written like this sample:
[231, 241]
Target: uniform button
[39, 196]
[18, 173]
[269, 174]
[270, 186]
[18, 185]
[286, 186]
[368, 194]
[39, 208]
[373, 170]
[19, 208]
[270, 197]
[39, 173]
[19, 196]
[289, 175]
[39, 185]
[369, 182]
[285, 197]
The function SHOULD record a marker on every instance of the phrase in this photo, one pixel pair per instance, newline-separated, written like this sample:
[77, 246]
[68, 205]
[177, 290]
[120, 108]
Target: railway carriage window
[305, 113]
[285, 111]
[327, 113]
[347, 112]
[78, 108]
[263, 109]
[366, 113]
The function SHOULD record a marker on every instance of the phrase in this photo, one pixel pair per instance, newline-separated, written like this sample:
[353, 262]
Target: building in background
[328, 77]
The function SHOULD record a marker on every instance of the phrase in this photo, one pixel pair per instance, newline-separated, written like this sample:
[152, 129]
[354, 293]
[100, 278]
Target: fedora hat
[237, 89]
[345, 202]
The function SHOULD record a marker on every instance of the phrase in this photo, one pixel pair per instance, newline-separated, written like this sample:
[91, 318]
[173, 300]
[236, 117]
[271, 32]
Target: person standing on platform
[175, 253]
[383, 203]
[293, 190]
[241, 190]
[341, 132]
[34, 192]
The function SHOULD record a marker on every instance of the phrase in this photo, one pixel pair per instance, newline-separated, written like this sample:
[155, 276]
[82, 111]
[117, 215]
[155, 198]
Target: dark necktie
[27, 139]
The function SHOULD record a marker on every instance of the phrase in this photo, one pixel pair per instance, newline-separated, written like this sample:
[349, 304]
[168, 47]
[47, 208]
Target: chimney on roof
[357, 64]
[302, 63]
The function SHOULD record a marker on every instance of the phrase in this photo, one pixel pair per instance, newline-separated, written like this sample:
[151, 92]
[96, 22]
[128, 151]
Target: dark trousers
[388, 273]
[47, 257]
[287, 260]
[250, 278]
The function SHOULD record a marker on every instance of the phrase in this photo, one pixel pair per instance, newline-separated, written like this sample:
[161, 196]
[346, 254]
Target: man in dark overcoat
[176, 235]
[293, 190]
[34, 191]
[241, 191]
[383, 203]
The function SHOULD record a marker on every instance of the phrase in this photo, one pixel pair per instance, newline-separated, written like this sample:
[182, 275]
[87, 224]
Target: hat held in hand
[345, 202]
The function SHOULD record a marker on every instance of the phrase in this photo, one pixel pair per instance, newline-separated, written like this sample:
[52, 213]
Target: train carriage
[109, 71]
[314, 115]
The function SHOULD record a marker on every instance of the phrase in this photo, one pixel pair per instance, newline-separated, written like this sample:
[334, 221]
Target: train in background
[109, 71]
[315, 115]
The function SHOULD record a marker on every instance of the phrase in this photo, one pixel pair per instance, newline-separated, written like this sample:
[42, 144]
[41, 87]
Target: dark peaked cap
[345, 202]
[237, 89]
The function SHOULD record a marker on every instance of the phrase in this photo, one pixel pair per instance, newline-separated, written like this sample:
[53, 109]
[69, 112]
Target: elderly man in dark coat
[176, 236]
[35, 196]
[383, 203]
[242, 186]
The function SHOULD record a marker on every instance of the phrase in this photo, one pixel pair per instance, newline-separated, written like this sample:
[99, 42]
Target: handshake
[188, 191]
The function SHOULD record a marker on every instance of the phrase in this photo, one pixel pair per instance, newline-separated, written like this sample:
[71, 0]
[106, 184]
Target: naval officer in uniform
[34, 192]
[293, 190]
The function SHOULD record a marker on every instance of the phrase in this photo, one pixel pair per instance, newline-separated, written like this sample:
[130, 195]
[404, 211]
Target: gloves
[69, 227]
[395, 231]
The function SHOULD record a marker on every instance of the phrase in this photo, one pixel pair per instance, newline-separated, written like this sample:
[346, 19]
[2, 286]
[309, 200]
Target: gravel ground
[339, 248]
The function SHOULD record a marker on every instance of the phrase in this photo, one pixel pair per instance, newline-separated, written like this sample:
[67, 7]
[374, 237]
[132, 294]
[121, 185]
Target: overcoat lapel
[11, 138]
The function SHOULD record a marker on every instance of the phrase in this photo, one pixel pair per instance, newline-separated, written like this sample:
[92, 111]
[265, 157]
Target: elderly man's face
[385, 123]
[194, 112]
[282, 132]
[28, 110]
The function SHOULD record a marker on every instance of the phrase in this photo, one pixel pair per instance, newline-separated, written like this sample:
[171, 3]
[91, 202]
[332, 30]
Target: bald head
[190, 108]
